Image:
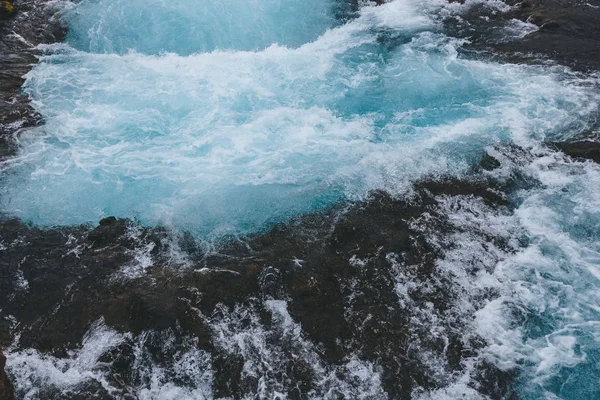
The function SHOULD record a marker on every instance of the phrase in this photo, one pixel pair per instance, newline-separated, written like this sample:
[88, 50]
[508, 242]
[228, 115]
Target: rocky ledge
[580, 149]
[568, 31]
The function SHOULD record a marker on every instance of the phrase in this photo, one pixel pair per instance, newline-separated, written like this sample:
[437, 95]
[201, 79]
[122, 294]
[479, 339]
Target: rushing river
[226, 117]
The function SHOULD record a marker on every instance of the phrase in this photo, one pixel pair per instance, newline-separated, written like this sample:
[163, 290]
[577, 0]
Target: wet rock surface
[6, 387]
[337, 273]
[568, 32]
[554, 32]
[31, 23]
[580, 149]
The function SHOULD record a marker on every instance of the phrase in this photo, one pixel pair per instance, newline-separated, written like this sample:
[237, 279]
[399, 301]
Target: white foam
[545, 321]
[34, 371]
[265, 352]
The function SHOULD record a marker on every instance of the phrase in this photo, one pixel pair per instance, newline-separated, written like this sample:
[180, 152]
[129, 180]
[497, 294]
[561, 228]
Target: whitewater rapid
[231, 141]
[228, 117]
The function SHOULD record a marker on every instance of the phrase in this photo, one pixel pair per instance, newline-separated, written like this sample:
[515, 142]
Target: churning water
[227, 116]
[161, 111]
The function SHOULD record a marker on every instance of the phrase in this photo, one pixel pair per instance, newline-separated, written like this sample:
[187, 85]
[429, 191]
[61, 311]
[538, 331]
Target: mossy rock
[7, 9]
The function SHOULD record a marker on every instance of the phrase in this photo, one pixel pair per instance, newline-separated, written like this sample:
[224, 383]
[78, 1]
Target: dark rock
[489, 163]
[7, 9]
[456, 187]
[6, 387]
[569, 32]
[336, 271]
[585, 149]
[493, 381]
[34, 24]
[109, 230]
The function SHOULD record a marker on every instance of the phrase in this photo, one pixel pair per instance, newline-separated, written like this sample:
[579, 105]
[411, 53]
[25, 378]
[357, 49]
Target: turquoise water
[225, 117]
[228, 140]
[189, 27]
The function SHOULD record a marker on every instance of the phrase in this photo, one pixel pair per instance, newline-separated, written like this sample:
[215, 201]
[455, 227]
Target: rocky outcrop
[581, 149]
[337, 271]
[568, 31]
[34, 24]
[6, 387]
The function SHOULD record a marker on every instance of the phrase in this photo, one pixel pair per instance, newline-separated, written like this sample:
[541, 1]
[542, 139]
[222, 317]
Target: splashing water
[225, 117]
[231, 141]
[552, 286]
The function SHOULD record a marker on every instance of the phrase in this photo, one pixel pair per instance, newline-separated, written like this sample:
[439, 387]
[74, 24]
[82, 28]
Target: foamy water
[231, 141]
[226, 117]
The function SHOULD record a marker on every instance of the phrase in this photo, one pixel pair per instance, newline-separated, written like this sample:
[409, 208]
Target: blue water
[225, 117]
[189, 27]
[217, 139]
